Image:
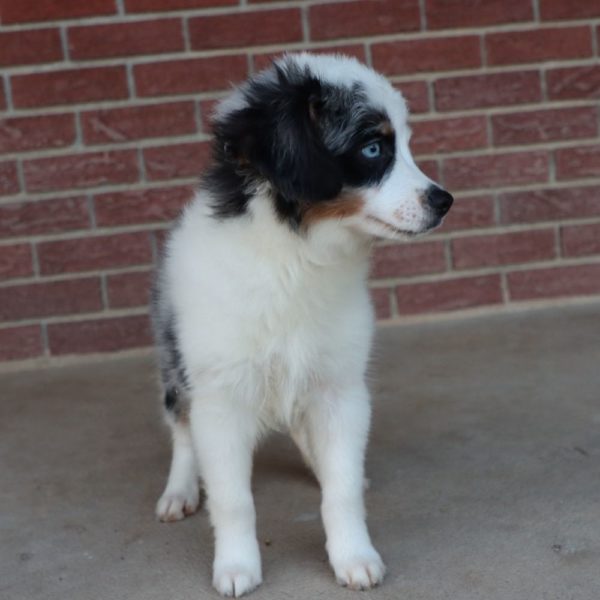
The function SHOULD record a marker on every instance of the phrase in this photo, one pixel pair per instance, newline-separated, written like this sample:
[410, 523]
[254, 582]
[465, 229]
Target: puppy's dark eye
[372, 150]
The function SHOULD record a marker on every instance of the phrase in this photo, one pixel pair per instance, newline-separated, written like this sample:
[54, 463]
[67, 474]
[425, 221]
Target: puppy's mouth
[392, 229]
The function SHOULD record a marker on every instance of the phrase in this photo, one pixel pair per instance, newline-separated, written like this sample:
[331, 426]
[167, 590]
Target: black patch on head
[302, 136]
[171, 396]
[361, 171]
[228, 184]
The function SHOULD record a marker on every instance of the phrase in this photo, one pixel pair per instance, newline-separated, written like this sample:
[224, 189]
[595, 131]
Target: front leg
[224, 435]
[337, 425]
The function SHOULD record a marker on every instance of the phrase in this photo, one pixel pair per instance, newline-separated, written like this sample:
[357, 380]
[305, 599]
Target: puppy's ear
[277, 135]
[300, 166]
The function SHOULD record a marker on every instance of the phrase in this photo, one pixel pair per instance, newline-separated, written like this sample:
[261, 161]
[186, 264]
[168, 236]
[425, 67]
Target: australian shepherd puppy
[261, 308]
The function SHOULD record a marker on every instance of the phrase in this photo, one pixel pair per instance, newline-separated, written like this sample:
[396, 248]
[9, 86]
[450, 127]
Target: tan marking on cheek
[342, 207]
[386, 128]
[183, 416]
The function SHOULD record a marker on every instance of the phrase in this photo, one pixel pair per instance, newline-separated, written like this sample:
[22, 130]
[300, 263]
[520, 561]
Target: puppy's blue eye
[372, 150]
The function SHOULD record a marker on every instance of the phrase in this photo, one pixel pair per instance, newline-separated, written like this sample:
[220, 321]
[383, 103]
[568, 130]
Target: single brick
[470, 172]
[30, 47]
[24, 134]
[549, 205]
[138, 122]
[559, 10]
[433, 54]
[70, 86]
[363, 18]
[450, 14]
[81, 170]
[22, 11]
[125, 39]
[94, 253]
[448, 295]
[581, 240]
[572, 163]
[572, 83]
[20, 343]
[537, 126]
[99, 335]
[534, 45]
[402, 260]
[144, 206]
[556, 282]
[448, 135]
[129, 289]
[15, 261]
[246, 29]
[48, 216]
[189, 76]
[178, 160]
[136, 6]
[503, 249]
[485, 91]
[51, 298]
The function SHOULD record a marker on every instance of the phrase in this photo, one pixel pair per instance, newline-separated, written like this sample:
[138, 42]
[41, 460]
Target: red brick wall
[104, 129]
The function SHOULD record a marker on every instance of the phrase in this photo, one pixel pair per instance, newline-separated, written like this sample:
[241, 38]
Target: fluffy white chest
[266, 315]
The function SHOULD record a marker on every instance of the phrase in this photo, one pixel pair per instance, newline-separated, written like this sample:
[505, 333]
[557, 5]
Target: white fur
[275, 328]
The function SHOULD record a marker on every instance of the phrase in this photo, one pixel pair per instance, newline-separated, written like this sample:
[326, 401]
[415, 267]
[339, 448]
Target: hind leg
[182, 494]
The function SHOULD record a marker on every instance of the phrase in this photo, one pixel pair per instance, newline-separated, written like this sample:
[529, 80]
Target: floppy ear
[277, 135]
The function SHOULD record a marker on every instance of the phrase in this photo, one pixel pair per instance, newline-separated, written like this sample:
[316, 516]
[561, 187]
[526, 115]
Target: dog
[261, 309]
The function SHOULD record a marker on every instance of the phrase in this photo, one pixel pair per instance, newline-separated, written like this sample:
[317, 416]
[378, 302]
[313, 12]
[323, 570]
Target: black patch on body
[172, 366]
[175, 364]
[301, 135]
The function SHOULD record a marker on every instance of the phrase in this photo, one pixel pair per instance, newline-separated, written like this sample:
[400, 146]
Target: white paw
[237, 570]
[362, 572]
[174, 506]
[236, 581]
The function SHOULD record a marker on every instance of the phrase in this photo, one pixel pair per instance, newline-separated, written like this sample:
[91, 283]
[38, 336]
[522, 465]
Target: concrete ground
[484, 463]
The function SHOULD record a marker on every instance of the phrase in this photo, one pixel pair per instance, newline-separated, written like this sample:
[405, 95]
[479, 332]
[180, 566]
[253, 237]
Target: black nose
[438, 199]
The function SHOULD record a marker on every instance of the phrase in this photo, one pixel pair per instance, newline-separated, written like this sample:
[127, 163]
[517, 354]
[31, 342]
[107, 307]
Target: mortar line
[558, 241]
[186, 34]
[422, 15]
[7, 93]
[44, 336]
[305, 44]
[91, 207]
[281, 5]
[130, 81]
[64, 43]
[104, 293]
[305, 24]
[368, 54]
[35, 261]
